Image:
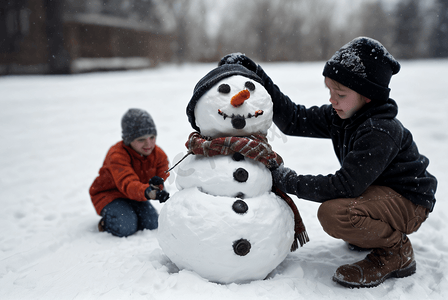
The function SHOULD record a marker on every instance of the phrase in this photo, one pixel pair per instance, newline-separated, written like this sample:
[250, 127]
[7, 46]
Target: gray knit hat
[136, 123]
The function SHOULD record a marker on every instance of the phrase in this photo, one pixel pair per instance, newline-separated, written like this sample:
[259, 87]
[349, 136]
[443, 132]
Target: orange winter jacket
[125, 174]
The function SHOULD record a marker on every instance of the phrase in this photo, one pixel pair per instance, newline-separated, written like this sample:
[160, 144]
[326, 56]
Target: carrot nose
[239, 98]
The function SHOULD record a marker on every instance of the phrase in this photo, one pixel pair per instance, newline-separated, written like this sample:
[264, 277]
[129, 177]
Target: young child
[132, 173]
[382, 192]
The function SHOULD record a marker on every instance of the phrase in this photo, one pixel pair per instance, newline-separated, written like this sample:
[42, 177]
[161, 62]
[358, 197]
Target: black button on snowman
[224, 223]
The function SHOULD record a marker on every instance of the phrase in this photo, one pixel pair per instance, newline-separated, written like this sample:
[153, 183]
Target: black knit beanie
[209, 80]
[365, 66]
[136, 123]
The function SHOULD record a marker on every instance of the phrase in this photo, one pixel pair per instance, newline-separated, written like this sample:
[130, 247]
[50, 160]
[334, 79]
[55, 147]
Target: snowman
[225, 223]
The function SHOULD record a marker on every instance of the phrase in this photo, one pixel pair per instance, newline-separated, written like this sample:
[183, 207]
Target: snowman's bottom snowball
[198, 232]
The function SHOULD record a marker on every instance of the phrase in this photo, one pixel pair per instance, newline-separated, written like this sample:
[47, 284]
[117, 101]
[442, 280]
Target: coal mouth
[239, 121]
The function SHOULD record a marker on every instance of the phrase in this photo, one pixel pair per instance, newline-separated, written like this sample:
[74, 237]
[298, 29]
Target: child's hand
[285, 179]
[153, 193]
[239, 58]
[155, 190]
[156, 180]
[162, 196]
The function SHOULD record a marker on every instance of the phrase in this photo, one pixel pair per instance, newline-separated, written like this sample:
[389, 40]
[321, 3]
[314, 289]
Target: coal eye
[224, 88]
[250, 85]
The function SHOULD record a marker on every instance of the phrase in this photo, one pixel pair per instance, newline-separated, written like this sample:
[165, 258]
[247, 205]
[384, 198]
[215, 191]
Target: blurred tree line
[306, 30]
[265, 30]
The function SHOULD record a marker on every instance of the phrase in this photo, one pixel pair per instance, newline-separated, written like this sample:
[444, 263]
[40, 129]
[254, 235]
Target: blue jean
[124, 217]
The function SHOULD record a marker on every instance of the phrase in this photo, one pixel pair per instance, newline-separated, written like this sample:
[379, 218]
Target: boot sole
[408, 271]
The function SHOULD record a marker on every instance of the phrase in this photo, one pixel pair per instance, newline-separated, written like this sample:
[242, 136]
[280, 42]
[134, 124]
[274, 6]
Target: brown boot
[353, 247]
[381, 264]
[101, 225]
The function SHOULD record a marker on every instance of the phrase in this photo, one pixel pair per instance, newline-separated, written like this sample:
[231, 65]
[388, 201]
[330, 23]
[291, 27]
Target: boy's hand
[239, 58]
[285, 179]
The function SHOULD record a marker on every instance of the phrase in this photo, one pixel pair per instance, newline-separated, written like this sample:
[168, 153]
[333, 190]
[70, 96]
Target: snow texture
[55, 133]
[349, 55]
[234, 58]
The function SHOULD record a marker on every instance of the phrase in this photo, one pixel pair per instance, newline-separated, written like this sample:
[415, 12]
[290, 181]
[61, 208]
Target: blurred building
[72, 36]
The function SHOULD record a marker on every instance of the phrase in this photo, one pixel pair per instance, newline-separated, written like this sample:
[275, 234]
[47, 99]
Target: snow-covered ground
[55, 132]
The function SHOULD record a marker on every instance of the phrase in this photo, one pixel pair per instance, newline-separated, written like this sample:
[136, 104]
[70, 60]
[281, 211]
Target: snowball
[214, 175]
[212, 123]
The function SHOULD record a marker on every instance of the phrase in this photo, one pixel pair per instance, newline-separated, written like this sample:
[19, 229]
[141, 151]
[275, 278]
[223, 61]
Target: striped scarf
[255, 147]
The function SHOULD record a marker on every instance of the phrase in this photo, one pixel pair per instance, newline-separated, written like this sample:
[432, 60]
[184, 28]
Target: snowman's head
[230, 101]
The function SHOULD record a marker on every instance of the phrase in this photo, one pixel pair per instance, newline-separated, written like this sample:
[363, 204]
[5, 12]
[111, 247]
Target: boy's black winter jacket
[372, 147]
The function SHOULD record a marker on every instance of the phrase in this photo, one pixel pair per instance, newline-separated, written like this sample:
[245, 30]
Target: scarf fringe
[300, 238]
[300, 234]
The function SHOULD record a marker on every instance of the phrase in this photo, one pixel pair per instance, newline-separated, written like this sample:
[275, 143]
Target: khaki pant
[376, 219]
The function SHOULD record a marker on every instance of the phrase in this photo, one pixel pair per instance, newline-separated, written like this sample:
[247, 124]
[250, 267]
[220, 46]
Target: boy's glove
[155, 190]
[239, 58]
[285, 179]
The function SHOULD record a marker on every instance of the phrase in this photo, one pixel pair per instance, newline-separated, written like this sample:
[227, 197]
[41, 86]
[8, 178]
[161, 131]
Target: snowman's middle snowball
[218, 176]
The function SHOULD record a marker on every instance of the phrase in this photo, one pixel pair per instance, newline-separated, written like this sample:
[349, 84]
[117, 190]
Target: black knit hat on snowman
[212, 78]
[365, 66]
[136, 123]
